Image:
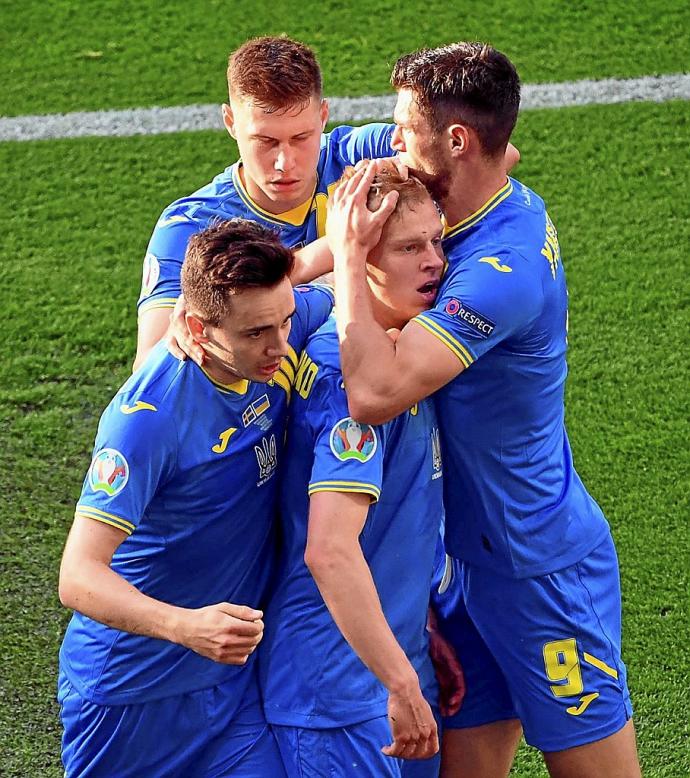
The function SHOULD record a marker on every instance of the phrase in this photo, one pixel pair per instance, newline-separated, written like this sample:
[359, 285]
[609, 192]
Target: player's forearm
[94, 589]
[344, 580]
[311, 262]
[367, 353]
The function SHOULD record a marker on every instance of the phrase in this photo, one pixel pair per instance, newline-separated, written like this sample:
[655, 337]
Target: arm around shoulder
[383, 377]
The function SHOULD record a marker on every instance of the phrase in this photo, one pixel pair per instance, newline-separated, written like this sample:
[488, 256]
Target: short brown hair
[470, 83]
[410, 190]
[274, 73]
[227, 257]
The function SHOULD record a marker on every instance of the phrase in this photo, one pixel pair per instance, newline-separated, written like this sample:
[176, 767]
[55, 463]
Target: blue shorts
[545, 650]
[209, 733]
[354, 750]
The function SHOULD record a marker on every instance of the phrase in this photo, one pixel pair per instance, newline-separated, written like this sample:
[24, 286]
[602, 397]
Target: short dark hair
[227, 257]
[274, 73]
[469, 83]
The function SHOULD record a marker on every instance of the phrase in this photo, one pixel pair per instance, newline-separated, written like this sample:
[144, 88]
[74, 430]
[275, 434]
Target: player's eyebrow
[263, 327]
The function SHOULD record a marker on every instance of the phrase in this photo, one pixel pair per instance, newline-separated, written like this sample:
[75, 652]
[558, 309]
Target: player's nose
[397, 142]
[279, 347]
[285, 160]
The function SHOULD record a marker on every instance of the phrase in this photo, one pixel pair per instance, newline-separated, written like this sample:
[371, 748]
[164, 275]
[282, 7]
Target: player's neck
[385, 316]
[471, 187]
[219, 372]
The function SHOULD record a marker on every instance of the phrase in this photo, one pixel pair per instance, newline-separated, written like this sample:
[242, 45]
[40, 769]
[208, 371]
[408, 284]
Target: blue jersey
[226, 197]
[513, 500]
[310, 675]
[186, 467]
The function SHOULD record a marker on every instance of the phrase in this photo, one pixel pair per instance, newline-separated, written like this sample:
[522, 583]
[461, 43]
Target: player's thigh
[557, 641]
[486, 751]
[161, 737]
[613, 757]
[354, 750]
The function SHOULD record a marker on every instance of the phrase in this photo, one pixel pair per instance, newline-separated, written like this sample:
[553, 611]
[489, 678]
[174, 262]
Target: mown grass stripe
[191, 118]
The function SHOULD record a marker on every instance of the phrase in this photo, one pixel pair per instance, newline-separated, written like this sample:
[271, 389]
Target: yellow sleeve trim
[345, 486]
[446, 338]
[88, 512]
[159, 302]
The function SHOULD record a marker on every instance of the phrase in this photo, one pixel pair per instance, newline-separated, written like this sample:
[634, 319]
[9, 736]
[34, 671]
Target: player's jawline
[191, 118]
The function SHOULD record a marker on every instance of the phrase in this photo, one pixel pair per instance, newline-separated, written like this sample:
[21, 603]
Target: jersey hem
[317, 721]
[137, 697]
[535, 571]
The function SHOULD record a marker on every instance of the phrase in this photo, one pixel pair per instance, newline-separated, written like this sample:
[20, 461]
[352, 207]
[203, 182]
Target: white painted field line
[155, 121]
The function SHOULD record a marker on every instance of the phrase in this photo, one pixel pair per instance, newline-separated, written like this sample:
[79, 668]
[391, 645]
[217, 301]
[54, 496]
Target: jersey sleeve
[160, 282]
[370, 141]
[313, 305]
[484, 301]
[348, 456]
[134, 454]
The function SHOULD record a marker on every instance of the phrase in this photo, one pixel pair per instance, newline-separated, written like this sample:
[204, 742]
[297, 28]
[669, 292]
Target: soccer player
[361, 509]
[538, 629]
[276, 113]
[169, 556]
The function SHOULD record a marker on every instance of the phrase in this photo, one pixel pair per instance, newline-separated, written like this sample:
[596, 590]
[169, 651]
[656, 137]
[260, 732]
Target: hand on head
[351, 224]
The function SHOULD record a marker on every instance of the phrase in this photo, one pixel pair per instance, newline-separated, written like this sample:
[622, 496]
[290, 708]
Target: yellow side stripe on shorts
[592, 660]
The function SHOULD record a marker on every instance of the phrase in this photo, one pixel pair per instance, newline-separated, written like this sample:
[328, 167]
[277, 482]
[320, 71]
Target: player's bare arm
[335, 559]
[383, 376]
[311, 262]
[151, 327]
[224, 632]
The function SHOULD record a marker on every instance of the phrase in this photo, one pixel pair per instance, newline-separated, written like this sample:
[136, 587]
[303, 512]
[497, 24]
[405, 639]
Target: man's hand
[451, 679]
[415, 735]
[351, 227]
[178, 339]
[224, 632]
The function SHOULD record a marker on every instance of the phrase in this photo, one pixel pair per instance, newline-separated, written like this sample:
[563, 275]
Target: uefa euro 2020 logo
[109, 472]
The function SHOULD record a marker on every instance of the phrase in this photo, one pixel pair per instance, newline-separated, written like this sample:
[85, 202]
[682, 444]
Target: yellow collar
[295, 216]
[479, 214]
[241, 386]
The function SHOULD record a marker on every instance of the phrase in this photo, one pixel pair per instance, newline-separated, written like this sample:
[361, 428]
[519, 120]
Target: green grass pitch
[77, 216]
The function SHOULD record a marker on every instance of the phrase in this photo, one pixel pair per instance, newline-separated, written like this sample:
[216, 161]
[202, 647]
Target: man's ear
[459, 137]
[196, 327]
[229, 119]
[324, 114]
